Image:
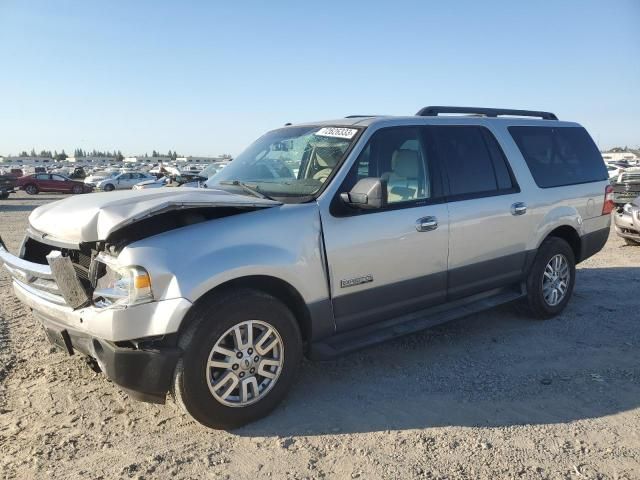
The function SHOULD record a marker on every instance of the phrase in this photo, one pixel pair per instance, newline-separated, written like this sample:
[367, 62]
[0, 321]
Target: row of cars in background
[624, 176]
[77, 180]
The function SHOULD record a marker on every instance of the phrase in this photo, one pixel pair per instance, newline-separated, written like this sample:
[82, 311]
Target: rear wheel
[109, 187]
[242, 353]
[551, 278]
[76, 190]
[31, 189]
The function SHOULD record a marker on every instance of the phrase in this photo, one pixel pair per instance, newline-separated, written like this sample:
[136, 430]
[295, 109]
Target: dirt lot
[495, 395]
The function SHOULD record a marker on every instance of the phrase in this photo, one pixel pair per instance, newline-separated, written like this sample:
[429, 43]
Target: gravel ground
[495, 395]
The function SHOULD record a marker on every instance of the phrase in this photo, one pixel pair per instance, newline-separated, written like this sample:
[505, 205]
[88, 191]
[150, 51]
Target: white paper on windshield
[337, 132]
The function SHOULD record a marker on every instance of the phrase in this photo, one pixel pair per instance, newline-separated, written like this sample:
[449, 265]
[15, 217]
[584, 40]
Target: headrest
[405, 163]
[327, 156]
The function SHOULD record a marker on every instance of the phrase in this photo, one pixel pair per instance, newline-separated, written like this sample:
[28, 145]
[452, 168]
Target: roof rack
[487, 112]
[360, 116]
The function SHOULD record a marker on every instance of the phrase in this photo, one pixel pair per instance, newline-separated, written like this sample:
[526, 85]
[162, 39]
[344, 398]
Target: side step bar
[368, 335]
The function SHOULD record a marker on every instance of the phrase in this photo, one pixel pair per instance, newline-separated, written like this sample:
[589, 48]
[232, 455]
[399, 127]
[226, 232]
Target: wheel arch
[570, 235]
[270, 285]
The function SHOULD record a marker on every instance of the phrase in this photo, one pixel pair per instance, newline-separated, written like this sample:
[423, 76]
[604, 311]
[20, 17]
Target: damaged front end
[88, 302]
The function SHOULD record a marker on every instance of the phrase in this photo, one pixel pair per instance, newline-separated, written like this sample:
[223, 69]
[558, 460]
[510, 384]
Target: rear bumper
[591, 243]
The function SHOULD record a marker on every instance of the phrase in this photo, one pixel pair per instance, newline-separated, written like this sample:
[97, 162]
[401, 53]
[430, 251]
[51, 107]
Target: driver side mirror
[367, 194]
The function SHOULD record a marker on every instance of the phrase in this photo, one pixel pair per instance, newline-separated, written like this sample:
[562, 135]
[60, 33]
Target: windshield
[289, 163]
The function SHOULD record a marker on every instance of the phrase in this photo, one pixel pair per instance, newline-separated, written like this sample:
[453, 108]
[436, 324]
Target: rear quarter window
[559, 156]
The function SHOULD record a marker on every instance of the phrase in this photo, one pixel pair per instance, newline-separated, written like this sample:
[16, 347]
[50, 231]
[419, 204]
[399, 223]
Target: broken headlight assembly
[121, 286]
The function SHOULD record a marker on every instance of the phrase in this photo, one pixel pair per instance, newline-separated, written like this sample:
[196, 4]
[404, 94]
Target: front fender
[282, 242]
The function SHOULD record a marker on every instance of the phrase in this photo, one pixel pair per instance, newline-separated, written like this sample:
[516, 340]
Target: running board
[366, 336]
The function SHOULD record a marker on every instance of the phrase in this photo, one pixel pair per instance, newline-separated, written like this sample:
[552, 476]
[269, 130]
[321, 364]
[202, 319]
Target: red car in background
[51, 182]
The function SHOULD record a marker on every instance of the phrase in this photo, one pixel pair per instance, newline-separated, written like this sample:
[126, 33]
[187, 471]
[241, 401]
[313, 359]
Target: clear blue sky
[208, 77]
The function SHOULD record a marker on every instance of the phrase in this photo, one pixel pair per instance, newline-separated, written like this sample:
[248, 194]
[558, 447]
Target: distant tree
[24, 153]
[155, 154]
[61, 156]
[33, 153]
[119, 156]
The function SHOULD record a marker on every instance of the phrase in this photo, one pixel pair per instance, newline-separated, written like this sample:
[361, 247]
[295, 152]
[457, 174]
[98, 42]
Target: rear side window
[474, 161]
[559, 156]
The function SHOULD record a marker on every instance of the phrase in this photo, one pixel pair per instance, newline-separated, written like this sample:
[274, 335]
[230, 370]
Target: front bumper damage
[133, 345]
[626, 225]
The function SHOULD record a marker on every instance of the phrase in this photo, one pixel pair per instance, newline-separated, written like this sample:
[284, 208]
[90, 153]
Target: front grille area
[36, 251]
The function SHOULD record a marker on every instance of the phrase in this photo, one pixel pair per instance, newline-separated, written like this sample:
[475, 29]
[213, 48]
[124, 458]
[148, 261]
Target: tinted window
[470, 169]
[42, 176]
[396, 155]
[57, 178]
[559, 155]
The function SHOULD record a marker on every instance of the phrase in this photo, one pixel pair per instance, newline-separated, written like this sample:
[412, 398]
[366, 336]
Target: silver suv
[319, 239]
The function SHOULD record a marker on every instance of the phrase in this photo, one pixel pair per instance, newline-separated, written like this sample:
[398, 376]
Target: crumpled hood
[93, 217]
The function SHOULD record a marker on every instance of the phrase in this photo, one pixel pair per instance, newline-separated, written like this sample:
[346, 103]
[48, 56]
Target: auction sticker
[337, 132]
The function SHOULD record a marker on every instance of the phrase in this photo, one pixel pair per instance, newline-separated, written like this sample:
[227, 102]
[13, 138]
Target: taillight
[608, 205]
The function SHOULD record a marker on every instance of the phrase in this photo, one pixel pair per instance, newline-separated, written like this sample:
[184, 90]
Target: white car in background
[161, 182]
[614, 170]
[98, 176]
[123, 181]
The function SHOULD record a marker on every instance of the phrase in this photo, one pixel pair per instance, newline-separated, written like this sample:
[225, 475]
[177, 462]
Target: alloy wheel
[245, 363]
[555, 280]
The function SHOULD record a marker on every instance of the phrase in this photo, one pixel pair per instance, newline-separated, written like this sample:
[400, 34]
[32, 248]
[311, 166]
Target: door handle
[426, 224]
[519, 208]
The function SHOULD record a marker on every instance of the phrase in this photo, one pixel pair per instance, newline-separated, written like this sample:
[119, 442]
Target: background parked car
[614, 171]
[99, 175]
[51, 182]
[627, 222]
[626, 187]
[161, 182]
[7, 185]
[123, 181]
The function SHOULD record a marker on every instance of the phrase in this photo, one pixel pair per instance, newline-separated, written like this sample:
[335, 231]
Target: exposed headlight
[627, 208]
[130, 285]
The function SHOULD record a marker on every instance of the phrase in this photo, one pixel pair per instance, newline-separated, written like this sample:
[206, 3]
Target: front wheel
[76, 190]
[109, 187]
[31, 189]
[551, 278]
[4, 195]
[242, 353]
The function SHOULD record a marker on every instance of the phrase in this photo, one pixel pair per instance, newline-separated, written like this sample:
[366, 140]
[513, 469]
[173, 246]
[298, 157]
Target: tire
[4, 195]
[31, 189]
[630, 241]
[537, 304]
[109, 187]
[210, 323]
[77, 190]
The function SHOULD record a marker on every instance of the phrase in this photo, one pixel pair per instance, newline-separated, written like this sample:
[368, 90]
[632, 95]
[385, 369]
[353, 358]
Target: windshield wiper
[255, 191]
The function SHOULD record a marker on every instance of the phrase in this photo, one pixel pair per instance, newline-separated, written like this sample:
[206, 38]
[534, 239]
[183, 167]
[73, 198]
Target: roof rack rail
[487, 112]
[360, 116]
